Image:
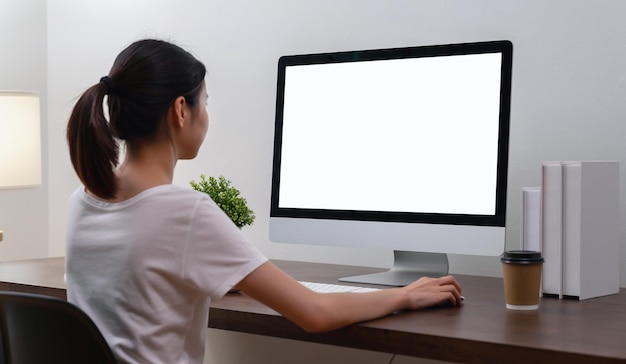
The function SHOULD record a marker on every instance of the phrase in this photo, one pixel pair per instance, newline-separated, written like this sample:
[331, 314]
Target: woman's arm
[318, 312]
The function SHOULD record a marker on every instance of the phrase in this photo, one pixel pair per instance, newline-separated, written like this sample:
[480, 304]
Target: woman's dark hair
[144, 81]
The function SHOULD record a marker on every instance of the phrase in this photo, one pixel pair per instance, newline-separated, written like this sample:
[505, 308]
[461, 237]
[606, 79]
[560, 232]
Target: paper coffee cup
[521, 270]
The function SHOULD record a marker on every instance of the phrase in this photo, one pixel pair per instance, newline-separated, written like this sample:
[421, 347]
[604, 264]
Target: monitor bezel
[503, 47]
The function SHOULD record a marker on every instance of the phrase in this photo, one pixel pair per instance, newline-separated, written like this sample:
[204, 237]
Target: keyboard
[333, 288]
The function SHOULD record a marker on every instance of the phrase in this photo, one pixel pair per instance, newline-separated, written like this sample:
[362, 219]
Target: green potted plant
[227, 197]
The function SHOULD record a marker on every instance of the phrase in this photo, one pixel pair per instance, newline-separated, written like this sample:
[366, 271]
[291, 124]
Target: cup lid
[521, 257]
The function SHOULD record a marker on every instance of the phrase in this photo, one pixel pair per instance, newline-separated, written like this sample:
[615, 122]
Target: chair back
[42, 329]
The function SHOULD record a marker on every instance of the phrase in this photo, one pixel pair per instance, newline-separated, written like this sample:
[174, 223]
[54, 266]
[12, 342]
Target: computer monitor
[404, 149]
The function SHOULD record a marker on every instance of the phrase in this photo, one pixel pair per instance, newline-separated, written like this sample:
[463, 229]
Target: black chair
[42, 329]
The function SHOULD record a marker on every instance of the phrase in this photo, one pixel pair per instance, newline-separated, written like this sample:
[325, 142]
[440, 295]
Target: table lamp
[20, 140]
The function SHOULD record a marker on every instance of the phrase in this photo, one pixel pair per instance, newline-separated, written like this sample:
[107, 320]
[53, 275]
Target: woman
[145, 257]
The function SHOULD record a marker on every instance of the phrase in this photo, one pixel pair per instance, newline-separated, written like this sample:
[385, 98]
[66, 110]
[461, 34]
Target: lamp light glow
[20, 139]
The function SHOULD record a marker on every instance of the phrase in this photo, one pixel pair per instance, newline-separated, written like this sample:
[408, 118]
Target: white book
[590, 239]
[551, 225]
[530, 225]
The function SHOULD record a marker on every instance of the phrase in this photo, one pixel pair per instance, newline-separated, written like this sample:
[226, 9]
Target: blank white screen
[407, 135]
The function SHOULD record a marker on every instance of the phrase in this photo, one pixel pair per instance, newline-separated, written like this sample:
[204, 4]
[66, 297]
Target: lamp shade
[20, 139]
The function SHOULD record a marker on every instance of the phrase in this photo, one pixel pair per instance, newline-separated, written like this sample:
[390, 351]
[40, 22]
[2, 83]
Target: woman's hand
[426, 292]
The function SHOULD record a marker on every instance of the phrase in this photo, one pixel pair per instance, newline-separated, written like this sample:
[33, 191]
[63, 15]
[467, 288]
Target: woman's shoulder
[168, 195]
[173, 193]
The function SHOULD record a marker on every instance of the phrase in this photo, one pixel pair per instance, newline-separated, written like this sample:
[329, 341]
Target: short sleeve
[217, 253]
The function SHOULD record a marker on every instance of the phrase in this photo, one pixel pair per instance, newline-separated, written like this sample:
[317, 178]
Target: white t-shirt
[146, 269]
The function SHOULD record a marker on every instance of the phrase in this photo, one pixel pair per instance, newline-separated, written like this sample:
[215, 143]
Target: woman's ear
[178, 112]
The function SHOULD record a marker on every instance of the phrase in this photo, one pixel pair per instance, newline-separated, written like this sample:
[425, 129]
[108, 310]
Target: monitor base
[407, 268]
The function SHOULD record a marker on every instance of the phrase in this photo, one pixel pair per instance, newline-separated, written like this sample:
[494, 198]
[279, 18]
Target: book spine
[531, 219]
[572, 224]
[551, 227]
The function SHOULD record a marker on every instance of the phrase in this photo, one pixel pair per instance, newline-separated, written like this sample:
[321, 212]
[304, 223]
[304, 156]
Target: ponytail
[93, 149]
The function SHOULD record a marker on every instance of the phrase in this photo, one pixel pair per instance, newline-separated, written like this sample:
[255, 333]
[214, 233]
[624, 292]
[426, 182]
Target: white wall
[567, 99]
[24, 212]
[569, 87]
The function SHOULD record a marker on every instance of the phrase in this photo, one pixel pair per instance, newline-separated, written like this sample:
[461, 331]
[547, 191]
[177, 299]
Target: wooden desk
[482, 331]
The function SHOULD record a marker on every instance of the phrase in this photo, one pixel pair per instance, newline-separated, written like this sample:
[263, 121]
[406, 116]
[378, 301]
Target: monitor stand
[407, 267]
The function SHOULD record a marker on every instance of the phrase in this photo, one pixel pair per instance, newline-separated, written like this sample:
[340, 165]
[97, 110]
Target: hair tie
[107, 81]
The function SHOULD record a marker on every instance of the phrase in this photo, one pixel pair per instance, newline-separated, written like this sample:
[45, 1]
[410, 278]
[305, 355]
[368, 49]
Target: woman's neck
[144, 167]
